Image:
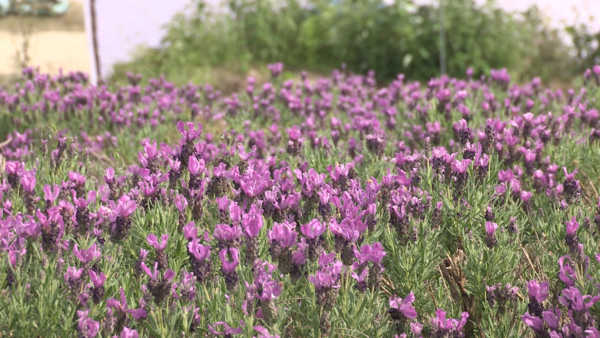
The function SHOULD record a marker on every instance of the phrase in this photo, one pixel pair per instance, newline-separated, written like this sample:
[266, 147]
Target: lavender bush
[459, 208]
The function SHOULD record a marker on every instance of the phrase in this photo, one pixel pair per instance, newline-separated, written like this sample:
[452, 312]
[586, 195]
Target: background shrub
[364, 34]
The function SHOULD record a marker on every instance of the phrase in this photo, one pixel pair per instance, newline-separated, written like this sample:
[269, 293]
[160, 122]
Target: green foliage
[364, 34]
[587, 46]
[40, 295]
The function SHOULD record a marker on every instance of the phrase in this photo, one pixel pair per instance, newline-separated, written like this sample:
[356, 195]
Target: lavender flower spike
[535, 323]
[159, 246]
[129, 333]
[87, 327]
[490, 237]
[200, 256]
[87, 256]
[159, 287]
[442, 327]
[313, 229]
[161, 256]
[402, 309]
[538, 292]
[227, 330]
[98, 286]
[228, 268]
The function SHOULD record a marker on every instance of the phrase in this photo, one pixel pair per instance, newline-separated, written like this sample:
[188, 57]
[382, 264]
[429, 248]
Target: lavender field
[336, 207]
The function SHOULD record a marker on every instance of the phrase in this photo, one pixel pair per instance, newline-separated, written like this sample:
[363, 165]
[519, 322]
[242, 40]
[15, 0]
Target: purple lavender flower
[181, 204]
[572, 240]
[374, 254]
[153, 241]
[50, 194]
[252, 222]
[376, 270]
[83, 214]
[235, 214]
[148, 158]
[295, 141]
[52, 228]
[460, 172]
[13, 171]
[572, 188]
[538, 292]
[264, 333]
[578, 306]
[567, 272]
[120, 306]
[138, 264]
[78, 181]
[218, 185]
[282, 237]
[87, 256]
[228, 268]
[552, 318]
[161, 256]
[525, 198]
[501, 295]
[276, 69]
[228, 236]
[313, 231]
[28, 182]
[361, 280]
[86, 327]
[592, 333]
[535, 323]
[119, 217]
[294, 133]
[189, 135]
[490, 236]
[109, 177]
[270, 291]
[223, 206]
[196, 168]
[189, 131]
[244, 157]
[190, 232]
[159, 287]
[402, 309]
[442, 327]
[376, 143]
[98, 286]
[73, 278]
[129, 333]
[340, 175]
[200, 257]
[326, 286]
[326, 280]
[464, 132]
[186, 289]
[253, 185]
[227, 330]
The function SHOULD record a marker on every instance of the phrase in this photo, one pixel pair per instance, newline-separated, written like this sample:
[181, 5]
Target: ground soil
[51, 43]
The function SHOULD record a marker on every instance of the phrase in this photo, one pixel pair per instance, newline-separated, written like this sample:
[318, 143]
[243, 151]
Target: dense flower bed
[327, 208]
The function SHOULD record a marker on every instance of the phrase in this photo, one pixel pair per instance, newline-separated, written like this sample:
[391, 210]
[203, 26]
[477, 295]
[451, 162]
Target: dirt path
[49, 50]
[53, 43]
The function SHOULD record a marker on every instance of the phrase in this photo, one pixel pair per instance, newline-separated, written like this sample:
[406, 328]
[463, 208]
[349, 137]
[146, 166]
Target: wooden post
[95, 40]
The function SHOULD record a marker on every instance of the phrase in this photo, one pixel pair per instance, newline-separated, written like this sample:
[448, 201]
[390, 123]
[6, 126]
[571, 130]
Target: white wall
[122, 25]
